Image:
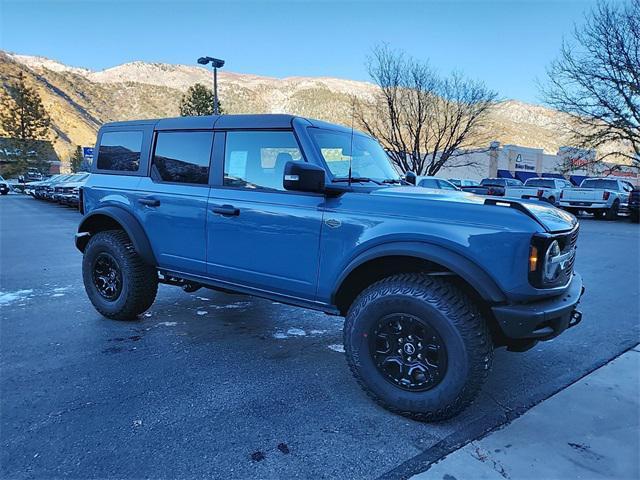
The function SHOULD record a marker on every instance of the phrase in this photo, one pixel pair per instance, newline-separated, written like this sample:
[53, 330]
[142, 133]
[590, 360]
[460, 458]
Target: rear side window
[182, 157]
[120, 151]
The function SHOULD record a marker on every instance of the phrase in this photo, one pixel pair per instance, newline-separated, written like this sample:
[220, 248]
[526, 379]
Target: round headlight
[551, 265]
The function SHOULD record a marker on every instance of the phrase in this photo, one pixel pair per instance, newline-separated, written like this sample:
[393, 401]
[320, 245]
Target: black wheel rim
[408, 352]
[107, 277]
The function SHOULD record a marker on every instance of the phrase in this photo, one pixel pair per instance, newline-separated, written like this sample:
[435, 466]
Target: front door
[172, 201]
[259, 234]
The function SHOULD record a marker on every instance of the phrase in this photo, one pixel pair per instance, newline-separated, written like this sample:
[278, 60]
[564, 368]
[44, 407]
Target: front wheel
[119, 284]
[418, 346]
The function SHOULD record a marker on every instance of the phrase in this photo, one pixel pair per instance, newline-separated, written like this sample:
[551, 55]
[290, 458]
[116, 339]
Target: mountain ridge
[79, 99]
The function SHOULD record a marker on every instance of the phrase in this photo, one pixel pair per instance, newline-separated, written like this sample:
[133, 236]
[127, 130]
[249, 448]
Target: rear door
[172, 200]
[259, 234]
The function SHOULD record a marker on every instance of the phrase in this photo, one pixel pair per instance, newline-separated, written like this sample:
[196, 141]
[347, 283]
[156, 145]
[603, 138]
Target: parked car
[634, 205]
[314, 215]
[70, 194]
[4, 186]
[548, 189]
[494, 186]
[62, 190]
[463, 183]
[45, 189]
[437, 183]
[603, 197]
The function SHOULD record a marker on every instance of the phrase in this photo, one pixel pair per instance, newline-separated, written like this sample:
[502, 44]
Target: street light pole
[216, 106]
[216, 63]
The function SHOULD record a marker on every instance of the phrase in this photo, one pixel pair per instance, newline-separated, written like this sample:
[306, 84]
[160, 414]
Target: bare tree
[596, 80]
[422, 119]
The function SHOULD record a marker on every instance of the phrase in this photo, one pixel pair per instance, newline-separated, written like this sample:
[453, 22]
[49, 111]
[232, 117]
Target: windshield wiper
[356, 180]
[391, 180]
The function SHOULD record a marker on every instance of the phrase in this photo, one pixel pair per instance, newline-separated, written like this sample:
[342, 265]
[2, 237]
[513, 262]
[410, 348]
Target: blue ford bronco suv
[313, 214]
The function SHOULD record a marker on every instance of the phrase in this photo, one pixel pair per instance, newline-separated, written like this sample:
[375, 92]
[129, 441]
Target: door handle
[149, 202]
[226, 210]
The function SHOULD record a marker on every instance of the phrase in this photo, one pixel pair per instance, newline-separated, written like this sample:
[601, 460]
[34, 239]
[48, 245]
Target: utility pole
[216, 63]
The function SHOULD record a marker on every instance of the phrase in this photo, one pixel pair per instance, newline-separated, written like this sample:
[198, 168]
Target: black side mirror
[303, 177]
[410, 177]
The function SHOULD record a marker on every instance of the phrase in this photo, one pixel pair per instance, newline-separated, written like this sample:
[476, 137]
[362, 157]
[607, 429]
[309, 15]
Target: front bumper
[544, 319]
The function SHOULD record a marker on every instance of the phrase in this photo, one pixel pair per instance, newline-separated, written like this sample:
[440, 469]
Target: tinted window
[120, 151]
[429, 183]
[444, 185]
[257, 159]
[538, 182]
[499, 182]
[182, 157]
[597, 183]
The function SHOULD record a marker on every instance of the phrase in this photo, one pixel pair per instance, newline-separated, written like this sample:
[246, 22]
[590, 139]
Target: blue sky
[507, 44]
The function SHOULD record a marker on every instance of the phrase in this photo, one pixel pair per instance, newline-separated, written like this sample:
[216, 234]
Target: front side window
[257, 159]
[364, 155]
[120, 151]
[182, 157]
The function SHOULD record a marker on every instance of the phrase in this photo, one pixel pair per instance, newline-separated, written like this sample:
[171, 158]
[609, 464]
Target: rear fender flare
[98, 219]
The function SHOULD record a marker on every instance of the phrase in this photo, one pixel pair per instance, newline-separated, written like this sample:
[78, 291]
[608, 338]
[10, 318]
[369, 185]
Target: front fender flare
[480, 280]
[93, 221]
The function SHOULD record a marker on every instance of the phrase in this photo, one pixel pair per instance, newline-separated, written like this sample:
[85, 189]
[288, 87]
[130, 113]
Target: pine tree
[198, 101]
[26, 123]
[76, 160]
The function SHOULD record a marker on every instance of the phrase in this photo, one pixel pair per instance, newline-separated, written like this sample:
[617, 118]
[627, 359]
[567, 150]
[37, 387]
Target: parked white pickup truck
[600, 196]
[548, 189]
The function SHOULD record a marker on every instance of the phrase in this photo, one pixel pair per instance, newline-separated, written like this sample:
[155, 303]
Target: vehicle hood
[551, 218]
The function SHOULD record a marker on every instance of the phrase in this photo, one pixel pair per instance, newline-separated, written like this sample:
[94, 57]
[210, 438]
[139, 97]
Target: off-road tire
[612, 213]
[634, 216]
[598, 214]
[452, 314]
[139, 280]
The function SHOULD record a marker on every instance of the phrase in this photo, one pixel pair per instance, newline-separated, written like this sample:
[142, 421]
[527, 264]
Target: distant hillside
[80, 100]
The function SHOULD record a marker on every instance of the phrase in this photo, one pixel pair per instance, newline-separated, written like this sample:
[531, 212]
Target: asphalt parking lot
[215, 385]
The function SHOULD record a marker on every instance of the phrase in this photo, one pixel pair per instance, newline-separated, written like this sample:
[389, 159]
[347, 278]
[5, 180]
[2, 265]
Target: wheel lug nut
[400, 351]
[401, 340]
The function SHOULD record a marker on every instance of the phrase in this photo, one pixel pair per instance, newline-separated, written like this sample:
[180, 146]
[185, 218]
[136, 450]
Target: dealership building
[514, 161]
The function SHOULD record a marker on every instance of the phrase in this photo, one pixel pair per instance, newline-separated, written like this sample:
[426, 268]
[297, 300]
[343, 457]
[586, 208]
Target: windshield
[598, 183]
[539, 182]
[367, 158]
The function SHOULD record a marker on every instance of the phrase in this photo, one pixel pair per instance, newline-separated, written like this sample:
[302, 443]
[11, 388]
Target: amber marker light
[533, 259]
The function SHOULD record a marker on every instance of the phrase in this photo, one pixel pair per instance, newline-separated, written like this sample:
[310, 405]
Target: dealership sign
[526, 164]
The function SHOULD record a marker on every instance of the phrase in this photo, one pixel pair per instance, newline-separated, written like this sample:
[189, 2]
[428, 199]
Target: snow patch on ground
[231, 306]
[168, 324]
[336, 347]
[297, 332]
[7, 298]
[58, 295]
[202, 312]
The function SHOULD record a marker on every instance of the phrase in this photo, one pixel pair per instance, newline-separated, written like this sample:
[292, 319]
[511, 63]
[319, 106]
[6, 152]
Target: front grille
[568, 242]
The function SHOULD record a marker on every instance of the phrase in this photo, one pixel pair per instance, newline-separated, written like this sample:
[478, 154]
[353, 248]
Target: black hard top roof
[266, 120]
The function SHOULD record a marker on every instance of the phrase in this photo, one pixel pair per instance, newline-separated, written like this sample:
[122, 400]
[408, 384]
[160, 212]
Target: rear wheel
[598, 214]
[635, 216]
[612, 212]
[418, 346]
[119, 284]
